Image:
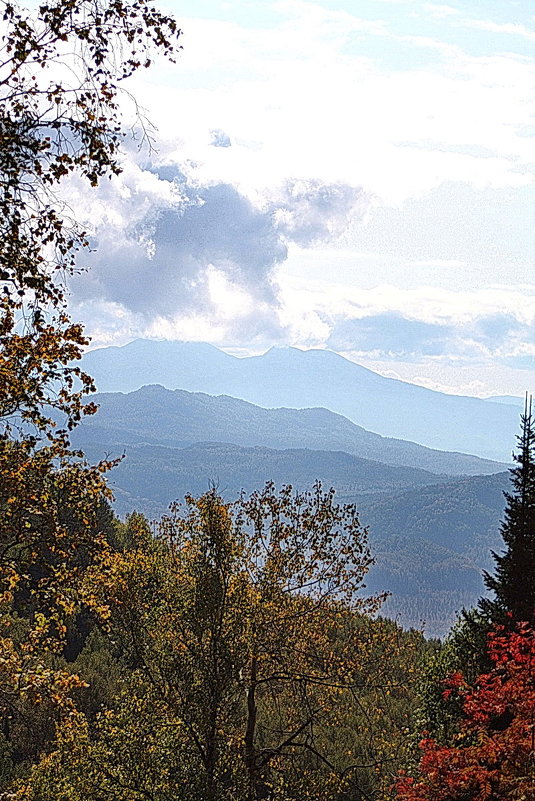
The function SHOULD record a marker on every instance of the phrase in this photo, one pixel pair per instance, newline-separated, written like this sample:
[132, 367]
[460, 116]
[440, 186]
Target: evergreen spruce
[513, 582]
[513, 586]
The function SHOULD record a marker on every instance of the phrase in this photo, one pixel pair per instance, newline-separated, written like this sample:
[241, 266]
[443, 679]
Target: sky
[358, 176]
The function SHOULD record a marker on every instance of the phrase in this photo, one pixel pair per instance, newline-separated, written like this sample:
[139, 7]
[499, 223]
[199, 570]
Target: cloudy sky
[351, 175]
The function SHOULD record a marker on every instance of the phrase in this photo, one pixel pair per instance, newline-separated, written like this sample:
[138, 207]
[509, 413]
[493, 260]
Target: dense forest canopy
[231, 650]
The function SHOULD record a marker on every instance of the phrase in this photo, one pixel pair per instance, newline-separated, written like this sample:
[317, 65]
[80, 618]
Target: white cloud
[453, 376]
[507, 28]
[430, 304]
[322, 96]
[309, 104]
[440, 11]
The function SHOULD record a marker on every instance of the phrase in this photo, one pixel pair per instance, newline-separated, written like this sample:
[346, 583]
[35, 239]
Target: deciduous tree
[248, 641]
[493, 756]
[61, 68]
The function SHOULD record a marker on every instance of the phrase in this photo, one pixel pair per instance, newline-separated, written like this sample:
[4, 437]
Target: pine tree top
[513, 582]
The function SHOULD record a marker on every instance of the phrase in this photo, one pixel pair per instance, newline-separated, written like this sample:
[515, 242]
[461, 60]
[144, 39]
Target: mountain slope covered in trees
[431, 536]
[151, 476]
[177, 418]
[461, 515]
[431, 546]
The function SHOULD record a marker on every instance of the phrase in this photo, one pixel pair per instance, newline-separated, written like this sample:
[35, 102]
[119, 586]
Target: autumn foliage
[229, 652]
[238, 662]
[494, 756]
[61, 64]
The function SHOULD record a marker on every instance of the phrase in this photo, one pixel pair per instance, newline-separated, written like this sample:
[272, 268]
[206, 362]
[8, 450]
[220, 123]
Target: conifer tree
[513, 582]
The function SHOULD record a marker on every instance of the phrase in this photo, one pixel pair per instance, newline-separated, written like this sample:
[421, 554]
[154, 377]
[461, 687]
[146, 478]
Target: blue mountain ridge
[292, 378]
[158, 416]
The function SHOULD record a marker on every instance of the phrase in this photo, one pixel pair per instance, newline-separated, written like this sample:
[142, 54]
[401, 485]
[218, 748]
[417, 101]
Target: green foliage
[236, 661]
[103, 672]
[463, 651]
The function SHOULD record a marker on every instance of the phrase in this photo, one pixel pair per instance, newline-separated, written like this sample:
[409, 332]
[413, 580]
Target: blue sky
[359, 176]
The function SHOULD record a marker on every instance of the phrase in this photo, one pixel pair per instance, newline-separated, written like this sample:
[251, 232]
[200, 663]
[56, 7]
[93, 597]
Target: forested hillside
[161, 417]
[151, 476]
[432, 536]
[460, 515]
[431, 543]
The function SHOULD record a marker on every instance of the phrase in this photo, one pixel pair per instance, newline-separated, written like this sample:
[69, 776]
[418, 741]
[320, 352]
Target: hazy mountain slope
[462, 515]
[512, 400]
[431, 546]
[429, 584]
[303, 379]
[152, 475]
[431, 542]
[163, 417]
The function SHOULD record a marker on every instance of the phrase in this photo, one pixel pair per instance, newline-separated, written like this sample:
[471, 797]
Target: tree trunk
[250, 730]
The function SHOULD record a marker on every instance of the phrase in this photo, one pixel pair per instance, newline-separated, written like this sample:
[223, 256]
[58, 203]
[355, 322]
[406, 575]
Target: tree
[61, 69]
[492, 759]
[251, 666]
[465, 650]
[174, 710]
[513, 582]
[513, 585]
[60, 75]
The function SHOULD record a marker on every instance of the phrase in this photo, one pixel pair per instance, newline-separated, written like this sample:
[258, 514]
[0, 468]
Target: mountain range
[177, 418]
[292, 378]
[432, 516]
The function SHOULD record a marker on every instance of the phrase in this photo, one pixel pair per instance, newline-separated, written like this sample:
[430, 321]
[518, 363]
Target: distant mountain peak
[293, 378]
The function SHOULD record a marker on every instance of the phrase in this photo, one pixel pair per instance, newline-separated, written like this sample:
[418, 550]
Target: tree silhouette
[513, 582]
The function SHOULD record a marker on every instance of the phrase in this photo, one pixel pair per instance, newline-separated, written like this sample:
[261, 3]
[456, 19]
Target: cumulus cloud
[166, 245]
[219, 138]
[496, 330]
[309, 211]
[159, 264]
